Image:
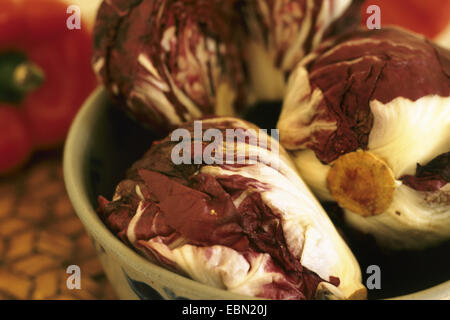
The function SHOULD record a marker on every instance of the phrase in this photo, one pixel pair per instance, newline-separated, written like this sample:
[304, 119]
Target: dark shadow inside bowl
[120, 141]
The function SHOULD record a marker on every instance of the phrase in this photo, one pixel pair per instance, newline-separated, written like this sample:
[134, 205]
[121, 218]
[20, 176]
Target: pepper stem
[28, 77]
[18, 77]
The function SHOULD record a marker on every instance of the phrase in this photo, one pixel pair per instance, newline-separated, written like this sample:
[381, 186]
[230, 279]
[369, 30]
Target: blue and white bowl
[101, 145]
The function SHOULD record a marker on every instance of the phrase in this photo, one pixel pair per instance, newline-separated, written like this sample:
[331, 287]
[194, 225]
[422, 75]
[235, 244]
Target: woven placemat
[40, 236]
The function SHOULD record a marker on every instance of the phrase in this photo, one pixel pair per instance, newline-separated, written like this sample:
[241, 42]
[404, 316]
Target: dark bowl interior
[120, 141]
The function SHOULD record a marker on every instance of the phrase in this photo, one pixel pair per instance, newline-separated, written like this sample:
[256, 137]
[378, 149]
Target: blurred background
[40, 235]
[45, 75]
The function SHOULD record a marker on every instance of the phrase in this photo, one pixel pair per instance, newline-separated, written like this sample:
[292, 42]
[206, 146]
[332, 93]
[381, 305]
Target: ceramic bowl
[101, 145]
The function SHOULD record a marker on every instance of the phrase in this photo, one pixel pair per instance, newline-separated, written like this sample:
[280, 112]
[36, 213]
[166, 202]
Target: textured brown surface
[40, 236]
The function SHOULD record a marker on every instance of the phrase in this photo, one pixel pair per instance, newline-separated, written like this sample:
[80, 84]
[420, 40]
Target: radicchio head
[252, 228]
[171, 61]
[368, 118]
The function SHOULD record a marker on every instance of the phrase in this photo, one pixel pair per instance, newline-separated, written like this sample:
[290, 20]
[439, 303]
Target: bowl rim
[73, 178]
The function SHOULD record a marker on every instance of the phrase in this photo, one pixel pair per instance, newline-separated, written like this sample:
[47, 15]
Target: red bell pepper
[427, 17]
[45, 75]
